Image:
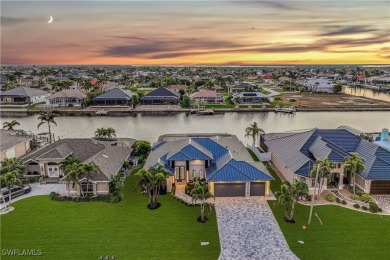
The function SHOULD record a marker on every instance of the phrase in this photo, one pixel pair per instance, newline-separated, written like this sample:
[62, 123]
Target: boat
[285, 109]
[102, 112]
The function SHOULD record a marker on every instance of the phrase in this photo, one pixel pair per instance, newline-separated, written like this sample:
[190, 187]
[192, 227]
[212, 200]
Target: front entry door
[179, 173]
[54, 170]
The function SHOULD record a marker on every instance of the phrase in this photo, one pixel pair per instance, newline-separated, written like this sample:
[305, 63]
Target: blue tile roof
[189, 152]
[216, 149]
[236, 171]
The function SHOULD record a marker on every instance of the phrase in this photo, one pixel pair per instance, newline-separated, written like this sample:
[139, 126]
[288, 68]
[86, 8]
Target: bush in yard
[366, 198]
[53, 195]
[379, 210]
[374, 208]
[355, 197]
[364, 208]
[338, 200]
[343, 202]
[356, 206]
[330, 197]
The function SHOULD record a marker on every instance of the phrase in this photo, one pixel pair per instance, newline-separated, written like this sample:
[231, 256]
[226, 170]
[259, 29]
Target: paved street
[248, 230]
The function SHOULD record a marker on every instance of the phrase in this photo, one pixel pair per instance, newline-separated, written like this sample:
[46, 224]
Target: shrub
[52, 195]
[338, 200]
[355, 197]
[357, 206]
[343, 202]
[380, 210]
[330, 197]
[359, 192]
[374, 208]
[308, 197]
[173, 191]
[364, 208]
[366, 198]
[293, 100]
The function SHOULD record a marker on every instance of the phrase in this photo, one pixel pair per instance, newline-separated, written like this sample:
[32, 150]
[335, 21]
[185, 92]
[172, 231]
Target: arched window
[33, 163]
[52, 163]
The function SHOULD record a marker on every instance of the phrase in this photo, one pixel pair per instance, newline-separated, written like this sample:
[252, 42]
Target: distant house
[23, 95]
[295, 153]
[161, 96]
[114, 97]
[107, 155]
[266, 78]
[220, 159]
[177, 88]
[216, 87]
[67, 97]
[319, 85]
[251, 98]
[244, 86]
[204, 97]
[14, 143]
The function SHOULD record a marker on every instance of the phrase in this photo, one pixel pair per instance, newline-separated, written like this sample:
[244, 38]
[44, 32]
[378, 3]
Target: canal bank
[9, 113]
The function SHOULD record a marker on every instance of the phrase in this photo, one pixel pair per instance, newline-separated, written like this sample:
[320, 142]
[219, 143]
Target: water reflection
[368, 93]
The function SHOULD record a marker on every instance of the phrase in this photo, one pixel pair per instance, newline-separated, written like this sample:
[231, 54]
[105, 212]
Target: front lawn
[128, 230]
[345, 233]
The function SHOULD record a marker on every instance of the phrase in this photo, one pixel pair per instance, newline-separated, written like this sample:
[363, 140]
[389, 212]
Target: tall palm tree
[10, 179]
[47, 117]
[88, 170]
[68, 161]
[288, 195]
[73, 174]
[10, 125]
[149, 183]
[325, 172]
[12, 164]
[201, 193]
[354, 164]
[110, 132]
[100, 132]
[253, 131]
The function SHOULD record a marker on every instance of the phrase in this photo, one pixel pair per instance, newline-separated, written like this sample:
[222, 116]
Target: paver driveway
[248, 230]
[40, 189]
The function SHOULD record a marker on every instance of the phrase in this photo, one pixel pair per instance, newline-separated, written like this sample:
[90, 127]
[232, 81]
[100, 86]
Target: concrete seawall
[126, 112]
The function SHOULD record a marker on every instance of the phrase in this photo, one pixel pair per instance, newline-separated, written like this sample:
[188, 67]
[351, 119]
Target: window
[176, 172]
[193, 174]
[339, 165]
[313, 182]
[201, 174]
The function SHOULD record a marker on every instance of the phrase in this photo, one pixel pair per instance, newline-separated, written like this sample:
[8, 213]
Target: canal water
[368, 93]
[151, 127]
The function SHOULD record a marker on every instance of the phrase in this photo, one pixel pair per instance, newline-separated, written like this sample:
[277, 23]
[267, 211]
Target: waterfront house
[14, 143]
[109, 155]
[251, 98]
[295, 153]
[161, 96]
[319, 85]
[242, 87]
[206, 97]
[114, 97]
[177, 88]
[68, 97]
[220, 159]
[23, 95]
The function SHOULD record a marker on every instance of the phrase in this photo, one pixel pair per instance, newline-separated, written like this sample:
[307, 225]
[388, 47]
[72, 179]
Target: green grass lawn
[128, 230]
[345, 233]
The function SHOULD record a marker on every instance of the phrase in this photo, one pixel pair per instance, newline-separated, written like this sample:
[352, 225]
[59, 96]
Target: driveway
[40, 189]
[248, 230]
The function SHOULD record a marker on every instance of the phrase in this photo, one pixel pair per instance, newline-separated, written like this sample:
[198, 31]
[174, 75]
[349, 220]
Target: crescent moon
[51, 20]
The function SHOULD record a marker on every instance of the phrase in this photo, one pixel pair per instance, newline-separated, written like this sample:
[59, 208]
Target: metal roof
[162, 92]
[115, 93]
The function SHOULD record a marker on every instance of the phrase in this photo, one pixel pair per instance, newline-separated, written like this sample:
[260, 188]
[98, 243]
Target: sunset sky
[195, 32]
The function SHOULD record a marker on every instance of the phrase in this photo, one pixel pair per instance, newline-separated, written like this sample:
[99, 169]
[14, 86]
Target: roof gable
[190, 152]
[115, 93]
[162, 92]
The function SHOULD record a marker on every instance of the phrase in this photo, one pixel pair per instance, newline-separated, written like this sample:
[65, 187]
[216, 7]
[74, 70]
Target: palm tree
[47, 117]
[253, 131]
[288, 195]
[10, 125]
[88, 170]
[68, 161]
[354, 164]
[73, 174]
[325, 172]
[110, 132]
[201, 193]
[149, 183]
[117, 181]
[100, 132]
[10, 179]
[12, 164]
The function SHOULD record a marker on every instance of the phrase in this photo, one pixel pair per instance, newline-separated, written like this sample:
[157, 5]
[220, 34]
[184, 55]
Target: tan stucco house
[14, 143]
